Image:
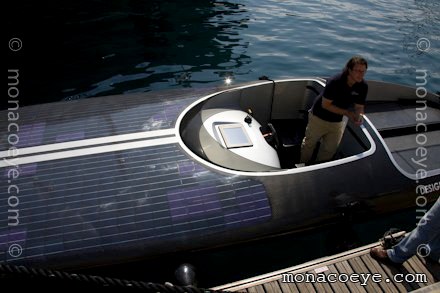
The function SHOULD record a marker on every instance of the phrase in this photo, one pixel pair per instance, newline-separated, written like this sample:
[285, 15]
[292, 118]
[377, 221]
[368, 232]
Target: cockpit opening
[258, 128]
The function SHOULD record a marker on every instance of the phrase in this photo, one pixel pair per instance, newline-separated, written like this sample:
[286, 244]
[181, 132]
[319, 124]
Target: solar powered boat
[128, 177]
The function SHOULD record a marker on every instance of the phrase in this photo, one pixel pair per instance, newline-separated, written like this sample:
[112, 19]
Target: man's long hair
[352, 62]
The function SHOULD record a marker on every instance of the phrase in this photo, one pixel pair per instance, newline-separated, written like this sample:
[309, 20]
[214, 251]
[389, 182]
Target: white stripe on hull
[89, 142]
[159, 137]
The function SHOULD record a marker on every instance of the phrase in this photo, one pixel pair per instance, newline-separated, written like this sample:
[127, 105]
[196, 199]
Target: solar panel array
[98, 117]
[119, 204]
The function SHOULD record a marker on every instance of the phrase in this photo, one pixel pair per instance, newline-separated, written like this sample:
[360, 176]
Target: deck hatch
[234, 135]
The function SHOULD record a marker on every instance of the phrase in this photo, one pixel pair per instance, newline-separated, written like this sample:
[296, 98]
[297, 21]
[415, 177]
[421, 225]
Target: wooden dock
[346, 272]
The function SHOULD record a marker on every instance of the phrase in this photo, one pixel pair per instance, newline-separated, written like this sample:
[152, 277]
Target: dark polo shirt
[341, 95]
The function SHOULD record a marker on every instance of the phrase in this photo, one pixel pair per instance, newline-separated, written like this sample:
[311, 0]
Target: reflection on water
[90, 48]
[101, 47]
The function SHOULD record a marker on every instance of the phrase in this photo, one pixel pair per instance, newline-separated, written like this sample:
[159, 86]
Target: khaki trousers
[330, 134]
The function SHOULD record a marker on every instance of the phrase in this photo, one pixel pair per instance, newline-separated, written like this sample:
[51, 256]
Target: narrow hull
[116, 179]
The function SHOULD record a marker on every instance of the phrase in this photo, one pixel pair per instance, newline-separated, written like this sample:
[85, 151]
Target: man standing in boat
[341, 93]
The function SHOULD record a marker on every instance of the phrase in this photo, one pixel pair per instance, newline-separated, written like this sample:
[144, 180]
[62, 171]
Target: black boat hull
[113, 179]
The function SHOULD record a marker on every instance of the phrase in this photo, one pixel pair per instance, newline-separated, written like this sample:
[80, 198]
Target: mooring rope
[46, 276]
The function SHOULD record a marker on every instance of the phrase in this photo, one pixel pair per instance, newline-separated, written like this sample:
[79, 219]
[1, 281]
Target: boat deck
[100, 180]
[405, 129]
[415, 274]
[392, 115]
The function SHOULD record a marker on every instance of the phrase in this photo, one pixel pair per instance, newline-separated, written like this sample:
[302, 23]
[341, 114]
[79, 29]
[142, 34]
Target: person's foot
[380, 254]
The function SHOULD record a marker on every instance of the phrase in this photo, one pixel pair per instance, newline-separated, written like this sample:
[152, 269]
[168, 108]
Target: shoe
[380, 254]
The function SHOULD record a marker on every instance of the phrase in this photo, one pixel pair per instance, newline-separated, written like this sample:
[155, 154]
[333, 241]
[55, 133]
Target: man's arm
[359, 113]
[328, 105]
[355, 116]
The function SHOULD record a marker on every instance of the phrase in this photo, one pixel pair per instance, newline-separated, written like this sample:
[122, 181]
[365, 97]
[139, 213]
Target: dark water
[81, 49]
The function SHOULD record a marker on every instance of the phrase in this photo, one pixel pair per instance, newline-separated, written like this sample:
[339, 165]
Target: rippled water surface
[82, 49]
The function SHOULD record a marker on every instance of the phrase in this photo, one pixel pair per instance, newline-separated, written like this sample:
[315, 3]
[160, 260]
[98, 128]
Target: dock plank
[256, 289]
[432, 267]
[355, 261]
[421, 269]
[429, 289]
[337, 286]
[375, 268]
[320, 286]
[391, 271]
[305, 287]
[359, 267]
[344, 267]
[272, 287]
[287, 287]
[408, 272]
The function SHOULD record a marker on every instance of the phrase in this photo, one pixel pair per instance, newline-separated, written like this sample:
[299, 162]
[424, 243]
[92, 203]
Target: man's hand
[355, 118]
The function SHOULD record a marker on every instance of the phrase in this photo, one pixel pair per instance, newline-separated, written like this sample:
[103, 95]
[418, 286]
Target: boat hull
[113, 179]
